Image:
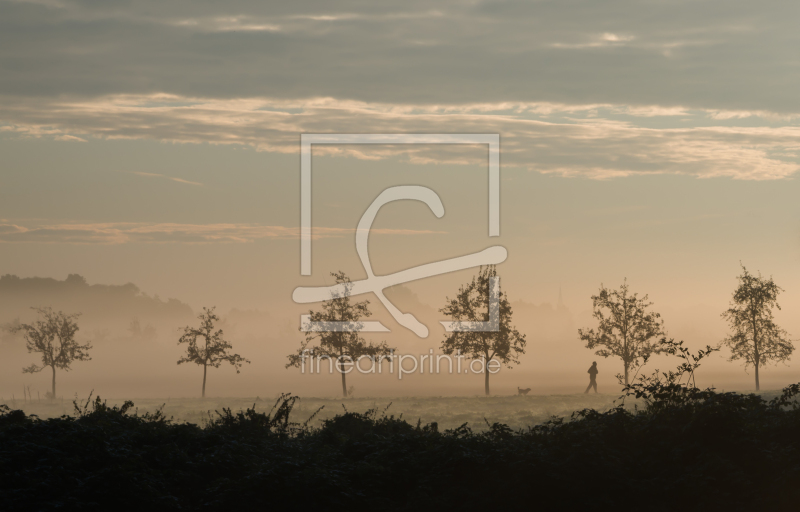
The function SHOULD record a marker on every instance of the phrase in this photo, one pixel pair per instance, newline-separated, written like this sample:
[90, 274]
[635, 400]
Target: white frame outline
[492, 140]
[309, 139]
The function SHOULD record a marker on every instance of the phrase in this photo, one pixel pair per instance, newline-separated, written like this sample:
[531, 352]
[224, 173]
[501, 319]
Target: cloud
[66, 137]
[171, 178]
[596, 140]
[133, 232]
[227, 24]
[715, 54]
[574, 87]
[606, 39]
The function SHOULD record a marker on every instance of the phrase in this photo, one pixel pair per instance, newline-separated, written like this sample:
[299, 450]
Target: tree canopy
[214, 349]
[472, 304]
[343, 342]
[53, 336]
[755, 338]
[626, 329]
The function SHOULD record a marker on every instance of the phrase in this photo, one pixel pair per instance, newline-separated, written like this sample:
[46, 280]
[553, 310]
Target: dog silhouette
[522, 391]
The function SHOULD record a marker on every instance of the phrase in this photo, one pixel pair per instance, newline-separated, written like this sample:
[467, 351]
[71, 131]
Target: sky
[658, 141]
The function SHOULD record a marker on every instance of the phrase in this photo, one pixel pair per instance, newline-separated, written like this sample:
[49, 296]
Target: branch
[33, 369]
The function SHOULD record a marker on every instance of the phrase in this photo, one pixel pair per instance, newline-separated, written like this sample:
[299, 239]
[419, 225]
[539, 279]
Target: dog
[522, 391]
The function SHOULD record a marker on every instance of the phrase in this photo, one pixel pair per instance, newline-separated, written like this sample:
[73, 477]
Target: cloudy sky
[158, 142]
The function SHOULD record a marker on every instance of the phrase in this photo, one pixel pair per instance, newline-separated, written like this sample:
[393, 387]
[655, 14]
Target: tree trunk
[205, 368]
[627, 354]
[54, 382]
[758, 386]
[486, 378]
[757, 360]
[756, 355]
[344, 381]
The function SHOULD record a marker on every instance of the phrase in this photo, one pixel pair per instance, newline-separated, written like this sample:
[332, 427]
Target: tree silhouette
[53, 336]
[343, 345]
[755, 337]
[214, 349]
[472, 305]
[626, 330]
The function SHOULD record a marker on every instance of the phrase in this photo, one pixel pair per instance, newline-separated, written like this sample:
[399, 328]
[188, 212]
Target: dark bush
[685, 449]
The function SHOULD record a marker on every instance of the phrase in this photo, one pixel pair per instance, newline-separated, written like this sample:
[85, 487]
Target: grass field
[448, 412]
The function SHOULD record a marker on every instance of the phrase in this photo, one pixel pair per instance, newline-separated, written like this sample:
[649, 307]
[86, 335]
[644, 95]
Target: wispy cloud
[714, 54]
[135, 232]
[597, 140]
[171, 178]
[66, 137]
[600, 40]
[227, 24]
[575, 89]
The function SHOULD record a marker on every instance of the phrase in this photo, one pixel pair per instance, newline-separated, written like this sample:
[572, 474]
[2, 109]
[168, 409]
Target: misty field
[448, 412]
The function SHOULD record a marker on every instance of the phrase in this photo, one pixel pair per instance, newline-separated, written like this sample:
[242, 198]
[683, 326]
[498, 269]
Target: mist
[135, 348]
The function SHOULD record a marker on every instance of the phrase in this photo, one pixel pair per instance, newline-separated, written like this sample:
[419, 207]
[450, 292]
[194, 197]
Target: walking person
[592, 378]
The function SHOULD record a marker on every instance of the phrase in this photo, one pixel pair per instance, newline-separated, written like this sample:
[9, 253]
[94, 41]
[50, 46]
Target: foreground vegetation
[683, 448]
[447, 411]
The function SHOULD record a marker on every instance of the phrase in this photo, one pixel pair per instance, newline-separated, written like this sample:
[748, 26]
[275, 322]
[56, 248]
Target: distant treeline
[99, 303]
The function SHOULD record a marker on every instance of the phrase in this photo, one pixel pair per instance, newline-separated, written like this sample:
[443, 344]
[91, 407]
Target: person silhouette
[592, 378]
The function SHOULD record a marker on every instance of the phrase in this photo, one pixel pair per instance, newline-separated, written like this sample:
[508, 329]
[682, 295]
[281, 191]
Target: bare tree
[344, 345]
[53, 336]
[472, 305]
[137, 332]
[10, 330]
[135, 328]
[213, 350]
[755, 337]
[625, 328]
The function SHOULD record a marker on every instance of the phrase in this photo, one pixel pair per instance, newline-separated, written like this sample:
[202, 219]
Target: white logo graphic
[376, 284]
